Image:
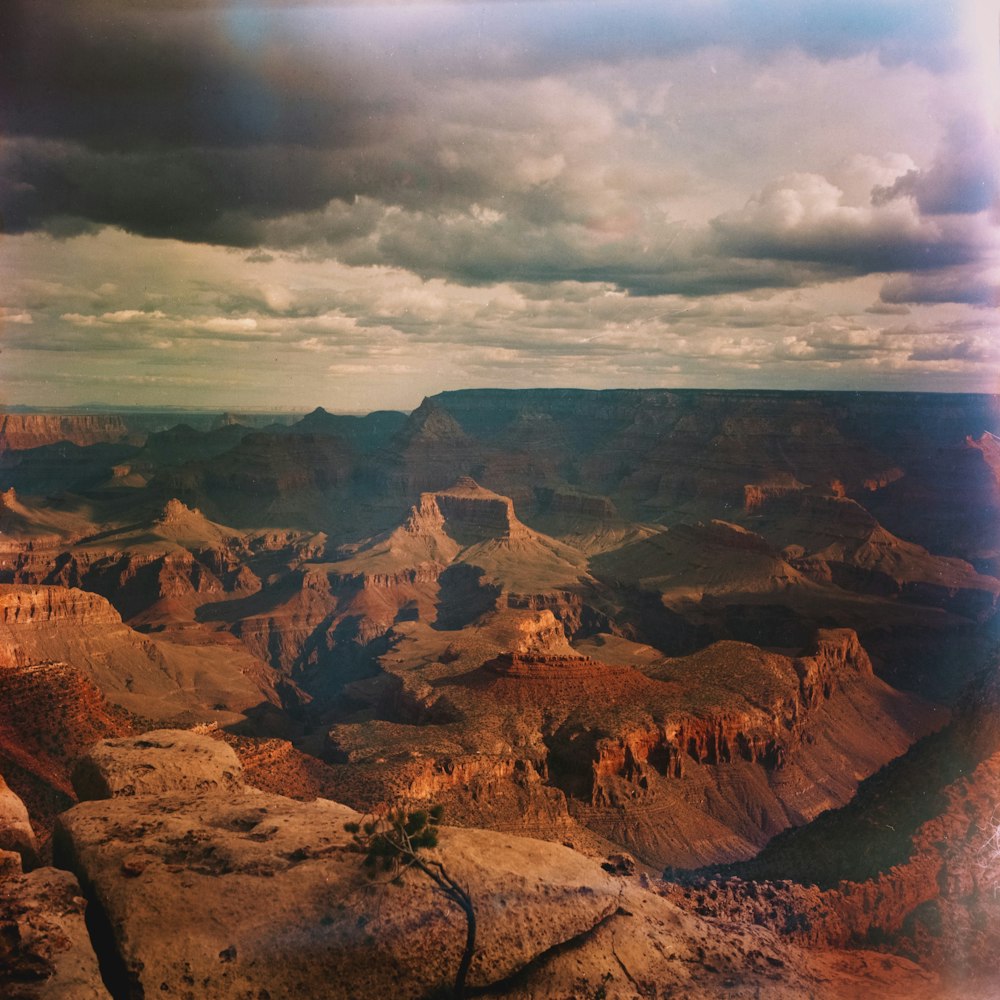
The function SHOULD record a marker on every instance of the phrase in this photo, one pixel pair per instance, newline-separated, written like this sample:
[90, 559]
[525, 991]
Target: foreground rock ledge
[16, 833]
[159, 761]
[226, 891]
[236, 893]
[45, 952]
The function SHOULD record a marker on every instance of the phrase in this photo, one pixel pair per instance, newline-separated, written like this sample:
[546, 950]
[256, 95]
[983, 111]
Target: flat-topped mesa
[755, 495]
[545, 666]
[473, 513]
[573, 503]
[438, 527]
[31, 605]
[20, 431]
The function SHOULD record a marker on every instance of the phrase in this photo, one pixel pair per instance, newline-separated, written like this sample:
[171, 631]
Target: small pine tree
[391, 845]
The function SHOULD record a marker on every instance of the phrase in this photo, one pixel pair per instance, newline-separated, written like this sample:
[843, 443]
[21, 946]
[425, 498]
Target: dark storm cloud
[466, 142]
[118, 77]
[198, 194]
[964, 177]
[805, 217]
[964, 285]
[960, 350]
[198, 118]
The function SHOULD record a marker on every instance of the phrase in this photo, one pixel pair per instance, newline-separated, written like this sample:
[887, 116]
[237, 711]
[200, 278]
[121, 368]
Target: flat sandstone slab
[159, 761]
[223, 894]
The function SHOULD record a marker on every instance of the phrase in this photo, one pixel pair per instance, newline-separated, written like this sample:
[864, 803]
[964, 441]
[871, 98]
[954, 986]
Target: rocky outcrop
[20, 431]
[755, 495]
[38, 606]
[45, 950]
[264, 897]
[247, 875]
[156, 762]
[15, 827]
[51, 713]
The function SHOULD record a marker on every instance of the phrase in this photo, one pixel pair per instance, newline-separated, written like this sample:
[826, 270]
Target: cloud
[805, 217]
[964, 177]
[971, 285]
[539, 192]
[974, 350]
[887, 309]
[201, 121]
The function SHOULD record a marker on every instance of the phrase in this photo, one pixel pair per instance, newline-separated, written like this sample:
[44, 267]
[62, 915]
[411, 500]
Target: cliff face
[52, 713]
[684, 762]
[765, 730]
[20, 605]
[20, 431]
[459, 554]
[938, 904]
[251, 874]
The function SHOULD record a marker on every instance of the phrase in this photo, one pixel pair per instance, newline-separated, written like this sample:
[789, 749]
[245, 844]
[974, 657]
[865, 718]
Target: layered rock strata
[264, 897]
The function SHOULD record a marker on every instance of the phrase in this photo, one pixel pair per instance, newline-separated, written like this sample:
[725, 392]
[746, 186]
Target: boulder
[251, 894]
[45, 951]
[218, 891]
[16, 833]
[159, 761]
[652, 948]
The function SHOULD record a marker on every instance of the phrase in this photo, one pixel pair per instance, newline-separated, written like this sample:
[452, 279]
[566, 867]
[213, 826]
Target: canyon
[655, 652]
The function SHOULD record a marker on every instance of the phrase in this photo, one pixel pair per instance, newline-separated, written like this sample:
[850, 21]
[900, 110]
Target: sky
[264, 204]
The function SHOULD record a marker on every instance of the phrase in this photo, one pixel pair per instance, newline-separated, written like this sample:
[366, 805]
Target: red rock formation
[52, 713]
[46, 951]
[20, 431]
[732, 744]
[757, 494]
[21, 605]
[537, 666]
[941, 906]
[251, 874]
